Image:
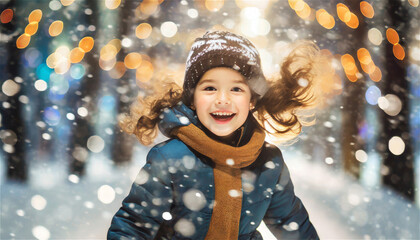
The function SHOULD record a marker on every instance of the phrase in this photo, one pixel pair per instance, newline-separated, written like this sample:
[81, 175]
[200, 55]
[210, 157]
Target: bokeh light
[108, 52]
[143, 30]
[95, 144]
[77, 71]
[414, 3]
[145, 72]
[149, 7]
[392, 36]
[132, 60]
[391, 104]
[375, 36]
[76, 55]
[376, 75]
[367, 9]
[112, 4]
[106, 194]
[52, 116]
[396, 145]
[40, 85]
[398, 51]
[35, 16]
[6, 15]
[86, 44]
[43, 72]
[325, 19]
[38, 202]
[23, 41]
[373, 93]
[118, 70]
[10, 87]
[168, 29]
[31, 28]
[41, 233]
[353, 22]
[214, 5]
[66, 2]
[56, 28]
[343, 12]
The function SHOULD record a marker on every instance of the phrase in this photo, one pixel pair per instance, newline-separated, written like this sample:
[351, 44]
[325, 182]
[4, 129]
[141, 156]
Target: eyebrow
[212, 81]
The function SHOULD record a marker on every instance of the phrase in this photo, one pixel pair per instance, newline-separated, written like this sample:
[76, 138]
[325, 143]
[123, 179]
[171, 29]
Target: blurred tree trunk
[399, 172]
[353, 97]
[12, 117]
[122, 144]
[83, 127]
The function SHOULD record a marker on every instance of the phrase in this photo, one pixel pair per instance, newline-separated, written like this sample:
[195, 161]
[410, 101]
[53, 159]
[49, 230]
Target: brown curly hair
[280, 111]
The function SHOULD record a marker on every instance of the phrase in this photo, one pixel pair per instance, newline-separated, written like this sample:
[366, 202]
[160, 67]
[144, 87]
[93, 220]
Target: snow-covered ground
[57, 206]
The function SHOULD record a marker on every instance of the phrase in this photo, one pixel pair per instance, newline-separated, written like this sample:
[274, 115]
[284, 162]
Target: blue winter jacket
[173, 194]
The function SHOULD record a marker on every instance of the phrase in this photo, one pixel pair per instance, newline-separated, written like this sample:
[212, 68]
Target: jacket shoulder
[273, 153]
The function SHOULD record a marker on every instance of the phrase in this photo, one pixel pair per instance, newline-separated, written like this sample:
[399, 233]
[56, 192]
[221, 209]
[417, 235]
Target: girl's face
[222, 100]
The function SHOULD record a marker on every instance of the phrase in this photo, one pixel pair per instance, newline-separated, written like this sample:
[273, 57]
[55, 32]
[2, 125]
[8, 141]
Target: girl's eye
[237, 89]
[209, 89]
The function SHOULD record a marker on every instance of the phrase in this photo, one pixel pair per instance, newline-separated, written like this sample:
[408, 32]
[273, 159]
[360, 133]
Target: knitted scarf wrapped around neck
[229, 160]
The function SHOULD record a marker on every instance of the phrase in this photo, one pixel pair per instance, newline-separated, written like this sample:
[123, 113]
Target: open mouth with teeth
[222, 116]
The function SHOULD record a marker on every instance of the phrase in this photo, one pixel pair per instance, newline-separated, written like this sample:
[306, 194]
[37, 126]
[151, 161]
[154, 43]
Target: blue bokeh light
[372, 95]
[77, 71]
[107, 103]
[43, 72]
[52, 116]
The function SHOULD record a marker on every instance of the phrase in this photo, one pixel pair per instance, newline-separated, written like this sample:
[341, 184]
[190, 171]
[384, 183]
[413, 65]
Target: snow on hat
[223, 49]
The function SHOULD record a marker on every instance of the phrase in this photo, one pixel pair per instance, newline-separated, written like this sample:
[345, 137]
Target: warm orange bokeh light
[132, 60]
[112, 4]
[76, 55]
[108, 52]
[51, 60]
[292, 3]
[398, 51]
[376, 75]
[23, 41]
[56, 28]
[349, 66]
[148, 7]
[35, 16]
[303, 12]
[364, 56]
[116, 43]
[392, 36]
[353, 22]
[214, 5]
[145, 72]
[143, 30]
[6, 16]
[86, 44]
[343, 12]
[118, 70]
[31, 28]
[368, 68]
[325, 19]
[66, 2]
[107, 64]
[367, 9]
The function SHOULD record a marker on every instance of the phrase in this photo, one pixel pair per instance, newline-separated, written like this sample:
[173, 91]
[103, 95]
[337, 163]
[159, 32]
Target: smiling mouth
[222, 117]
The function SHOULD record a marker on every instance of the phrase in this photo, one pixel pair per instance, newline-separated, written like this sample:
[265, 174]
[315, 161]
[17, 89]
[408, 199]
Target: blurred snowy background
[68, 68]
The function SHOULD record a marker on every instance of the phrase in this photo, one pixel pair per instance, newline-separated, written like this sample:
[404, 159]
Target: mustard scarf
[229, 160]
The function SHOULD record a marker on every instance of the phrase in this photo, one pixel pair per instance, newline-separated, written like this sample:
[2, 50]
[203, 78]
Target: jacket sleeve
[151, 195]
[286, 216]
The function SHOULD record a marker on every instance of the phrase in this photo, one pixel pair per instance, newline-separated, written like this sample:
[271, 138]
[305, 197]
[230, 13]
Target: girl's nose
[222, 99]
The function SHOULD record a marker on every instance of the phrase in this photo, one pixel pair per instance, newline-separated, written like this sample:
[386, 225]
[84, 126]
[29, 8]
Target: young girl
[216, 177]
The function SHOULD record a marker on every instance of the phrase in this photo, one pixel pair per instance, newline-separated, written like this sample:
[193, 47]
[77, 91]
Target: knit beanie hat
[223, 49]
